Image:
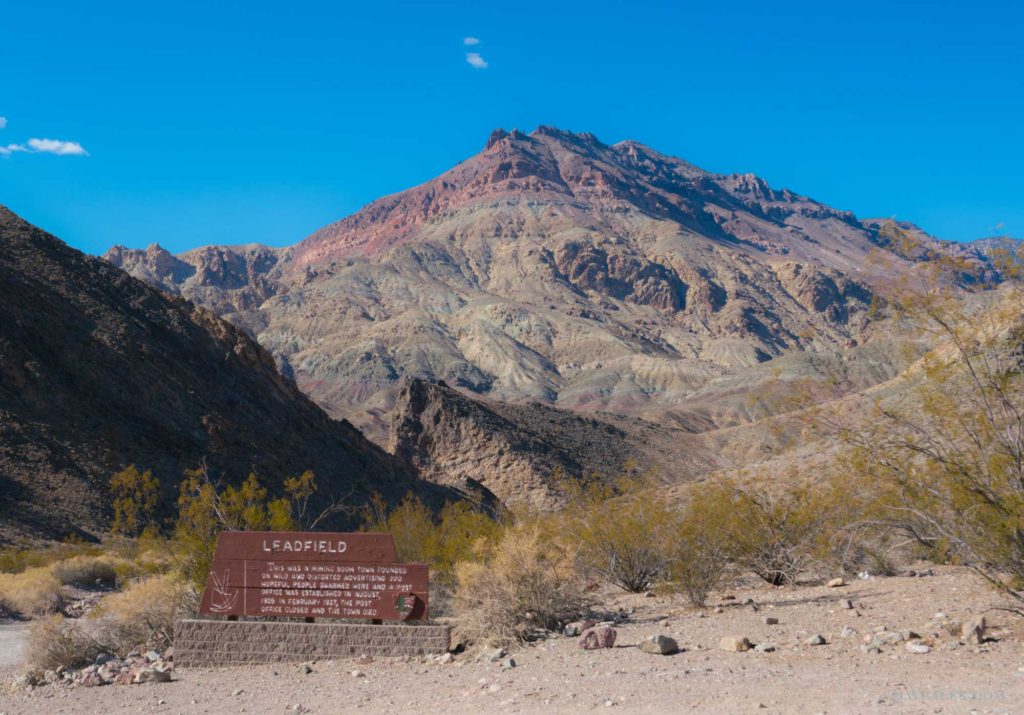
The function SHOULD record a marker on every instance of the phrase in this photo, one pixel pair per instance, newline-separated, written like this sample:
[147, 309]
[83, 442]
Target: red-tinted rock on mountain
[553, 267]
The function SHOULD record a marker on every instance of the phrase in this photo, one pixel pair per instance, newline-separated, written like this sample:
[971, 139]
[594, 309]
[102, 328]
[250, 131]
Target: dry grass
[86, 571]
[56, 642]
[33, 592]
[13, 561]
[141, 615]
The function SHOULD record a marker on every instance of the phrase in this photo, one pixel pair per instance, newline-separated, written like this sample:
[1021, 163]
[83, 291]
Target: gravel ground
[12, 644]
[556, 676]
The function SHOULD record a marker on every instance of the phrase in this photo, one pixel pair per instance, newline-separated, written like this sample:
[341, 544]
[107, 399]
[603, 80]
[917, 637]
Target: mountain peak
[496, 136]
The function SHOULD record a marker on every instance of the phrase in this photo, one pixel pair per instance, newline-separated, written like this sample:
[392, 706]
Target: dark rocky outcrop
[98, 370]
[519, 452]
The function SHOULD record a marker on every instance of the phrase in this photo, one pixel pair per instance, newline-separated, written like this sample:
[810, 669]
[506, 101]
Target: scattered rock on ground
[658, 645]
[152, 675]
[973, 631]
[576, 628]
[597, 637]
[493, 654]
[735, 644]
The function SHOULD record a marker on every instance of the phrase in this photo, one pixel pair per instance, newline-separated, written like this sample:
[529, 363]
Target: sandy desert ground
[557, 676]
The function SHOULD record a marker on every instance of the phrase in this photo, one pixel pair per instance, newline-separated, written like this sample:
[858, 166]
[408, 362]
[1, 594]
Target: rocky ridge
[99, 370]
[550, 267]
[519, 452]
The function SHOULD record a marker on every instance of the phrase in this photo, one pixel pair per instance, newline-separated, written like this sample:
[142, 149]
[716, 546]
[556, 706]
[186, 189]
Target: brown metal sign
[313, 575]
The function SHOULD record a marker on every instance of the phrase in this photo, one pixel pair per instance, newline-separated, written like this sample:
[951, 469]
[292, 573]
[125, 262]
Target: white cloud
[475, 60]
[56, 146]
[471, 40]
[45, 146]
[42, 146]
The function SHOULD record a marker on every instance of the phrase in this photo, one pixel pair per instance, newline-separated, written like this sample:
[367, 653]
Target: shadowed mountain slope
[98, 370]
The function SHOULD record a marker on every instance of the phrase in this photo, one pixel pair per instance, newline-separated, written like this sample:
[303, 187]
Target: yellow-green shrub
[699, 556]
[774, 531]
[530, 580]
[204, 510]
[13, 560]
[625, 531]
[134, 496]
[460, 532]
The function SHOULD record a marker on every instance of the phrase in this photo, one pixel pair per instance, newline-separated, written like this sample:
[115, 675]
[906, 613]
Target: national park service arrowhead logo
[404, 605]
[224, 597]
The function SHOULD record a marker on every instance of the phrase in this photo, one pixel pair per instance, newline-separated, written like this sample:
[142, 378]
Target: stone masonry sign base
[209, 643]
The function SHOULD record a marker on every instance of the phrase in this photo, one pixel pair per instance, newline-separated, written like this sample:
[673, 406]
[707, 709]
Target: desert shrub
[56, 642]
[699, 557]
[463, 533]
[17, 560]
[33, 592]
[85, 571]
[13, 560]
[625, 531]
[944, 464]
[149, 554]
[460, 532]
[411, 525]
[942, 454]
[530, 580]
[142, 614]
[135, 495]
[205, 509]
[777, 532]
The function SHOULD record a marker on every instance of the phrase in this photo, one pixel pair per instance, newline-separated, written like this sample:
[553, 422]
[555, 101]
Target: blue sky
[188, 123]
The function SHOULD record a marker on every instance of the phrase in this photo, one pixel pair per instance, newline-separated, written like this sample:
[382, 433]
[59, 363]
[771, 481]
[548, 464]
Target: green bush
[461, 532]
[135, 495]
[777, 532]
[205, 509]
[626, 531]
